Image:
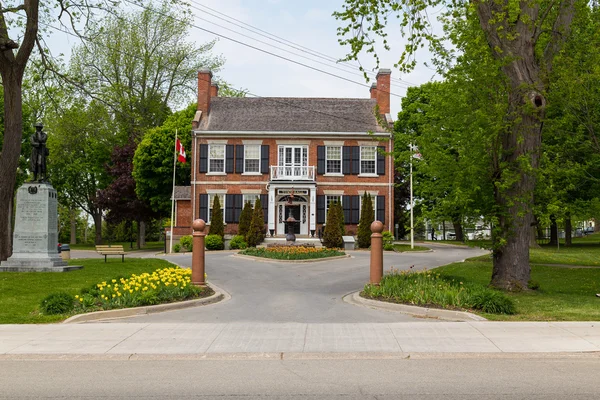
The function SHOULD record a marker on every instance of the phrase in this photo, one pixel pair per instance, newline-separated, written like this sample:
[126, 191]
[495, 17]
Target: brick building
[318, 149]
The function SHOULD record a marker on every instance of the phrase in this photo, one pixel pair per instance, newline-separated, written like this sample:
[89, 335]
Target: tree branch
[560, 31]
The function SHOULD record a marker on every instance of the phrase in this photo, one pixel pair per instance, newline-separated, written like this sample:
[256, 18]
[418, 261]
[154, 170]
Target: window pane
[252, 165]
[252, 151]
[250, 198]
[216, 158]
[367, 153]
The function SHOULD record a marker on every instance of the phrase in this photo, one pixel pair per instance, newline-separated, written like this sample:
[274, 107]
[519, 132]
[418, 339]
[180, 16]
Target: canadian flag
[180, 151]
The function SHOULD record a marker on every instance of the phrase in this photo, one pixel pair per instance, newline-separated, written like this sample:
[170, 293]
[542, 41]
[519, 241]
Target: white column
[313, 209]
[271, 208]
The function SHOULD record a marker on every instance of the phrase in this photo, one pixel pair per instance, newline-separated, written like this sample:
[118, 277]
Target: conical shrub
[255, 234]
[366, 219]
[332, 237]
[245, 219]
[216, 219]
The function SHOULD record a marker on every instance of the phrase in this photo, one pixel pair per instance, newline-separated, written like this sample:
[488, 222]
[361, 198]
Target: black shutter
[203, 207]
[320, 160]
[229, 158]
[354, 209]
[264, 199]
[239, 159]
[237, 207]
[380, 214]
[264, 159]
[355, 160]
[203, 168]
[381, 161]
[347, 210]
[346, 160]
[320, 209]
[228, 208]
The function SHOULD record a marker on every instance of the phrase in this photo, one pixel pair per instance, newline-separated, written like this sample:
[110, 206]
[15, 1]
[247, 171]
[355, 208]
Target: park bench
[108, 250]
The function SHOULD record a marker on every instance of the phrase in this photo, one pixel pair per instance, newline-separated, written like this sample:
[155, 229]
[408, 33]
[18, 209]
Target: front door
[299, 210]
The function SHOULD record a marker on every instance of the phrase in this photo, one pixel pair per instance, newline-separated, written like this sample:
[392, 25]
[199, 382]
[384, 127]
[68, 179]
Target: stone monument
[35, 238]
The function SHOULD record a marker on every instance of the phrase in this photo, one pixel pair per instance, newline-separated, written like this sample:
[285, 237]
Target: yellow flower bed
[162, 285]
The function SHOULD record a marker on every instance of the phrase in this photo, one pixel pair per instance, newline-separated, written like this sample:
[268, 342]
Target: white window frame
[374, 201]
[327, 159]
[246, 196]
[329, 198]
[210, 170]
[374, 160]
[246, 158]
[211, 199]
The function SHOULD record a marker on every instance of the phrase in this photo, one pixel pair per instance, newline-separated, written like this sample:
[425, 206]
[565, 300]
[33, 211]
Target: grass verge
[22, 292]
[292, 252]
[564, 294]
[401, 248]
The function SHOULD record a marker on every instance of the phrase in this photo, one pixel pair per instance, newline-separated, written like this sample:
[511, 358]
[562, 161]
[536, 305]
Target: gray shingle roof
[183, 192]
[290, 114]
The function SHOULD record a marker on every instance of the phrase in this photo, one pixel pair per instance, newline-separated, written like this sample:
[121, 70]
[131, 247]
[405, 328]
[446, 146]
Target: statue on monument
[39, 152]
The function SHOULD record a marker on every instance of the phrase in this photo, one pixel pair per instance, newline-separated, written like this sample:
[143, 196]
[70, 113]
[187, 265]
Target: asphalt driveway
[264, 291]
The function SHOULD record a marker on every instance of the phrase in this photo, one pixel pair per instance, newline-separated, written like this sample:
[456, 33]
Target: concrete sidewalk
[255, 339]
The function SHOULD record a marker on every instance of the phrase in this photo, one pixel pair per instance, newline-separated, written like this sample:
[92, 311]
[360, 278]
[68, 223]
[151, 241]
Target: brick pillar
[204, 78]
[383, 90]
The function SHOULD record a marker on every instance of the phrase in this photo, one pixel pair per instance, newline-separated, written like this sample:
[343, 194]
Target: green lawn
[406, 247]
[158, 246]
[565, 294]
[21, 292]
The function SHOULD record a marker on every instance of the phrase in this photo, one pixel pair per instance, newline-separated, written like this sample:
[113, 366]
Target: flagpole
[412, 227]
[173, 193]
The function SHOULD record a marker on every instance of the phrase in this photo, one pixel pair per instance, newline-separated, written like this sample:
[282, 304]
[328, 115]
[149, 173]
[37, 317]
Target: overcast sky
[309, 25]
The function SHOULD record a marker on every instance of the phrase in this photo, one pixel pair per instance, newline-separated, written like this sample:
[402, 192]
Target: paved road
[452, 378]
[264, 291]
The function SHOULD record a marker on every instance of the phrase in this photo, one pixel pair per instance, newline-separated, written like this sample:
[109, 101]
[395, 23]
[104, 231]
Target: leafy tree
[119, 197]
[332, 237]
[245, 219]
[255, 234]
[141, 64]
[80, 142]
[216, 219]
[524, 38]
[153, 161]
[366, 219]
[21, 21]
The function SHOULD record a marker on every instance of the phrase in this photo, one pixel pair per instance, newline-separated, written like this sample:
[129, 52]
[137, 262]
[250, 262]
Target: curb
[416, 311]
[218, 296]
[312, 260]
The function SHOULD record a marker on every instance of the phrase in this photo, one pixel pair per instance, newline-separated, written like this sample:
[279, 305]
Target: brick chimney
[214, 90]
[204, 90]
[373, 90]
[382, 93]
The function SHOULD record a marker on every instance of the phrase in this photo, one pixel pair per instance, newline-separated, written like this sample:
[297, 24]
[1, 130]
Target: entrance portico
[302, 205]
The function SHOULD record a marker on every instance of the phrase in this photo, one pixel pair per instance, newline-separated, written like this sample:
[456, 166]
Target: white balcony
[293, 173]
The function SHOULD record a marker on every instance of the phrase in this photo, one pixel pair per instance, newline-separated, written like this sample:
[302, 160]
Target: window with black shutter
[229, 158]
[346, 206]
[203, 166]
[264, 159]
[354, 209]
[203, 212]
[355, 160]
[346, 160]
[380, 214]
[380, 160]
[239, 159]
[320, 209]
[320, 160]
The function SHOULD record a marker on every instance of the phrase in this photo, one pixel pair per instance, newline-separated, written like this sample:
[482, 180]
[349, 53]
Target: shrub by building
[255, 234]
[367, 216]
[332, 237]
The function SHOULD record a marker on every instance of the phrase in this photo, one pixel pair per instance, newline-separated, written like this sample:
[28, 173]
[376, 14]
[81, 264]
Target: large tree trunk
[568, 231]
[11, 151]
[98, 227]
[514, 44]
[458, 231]
[533, 239]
